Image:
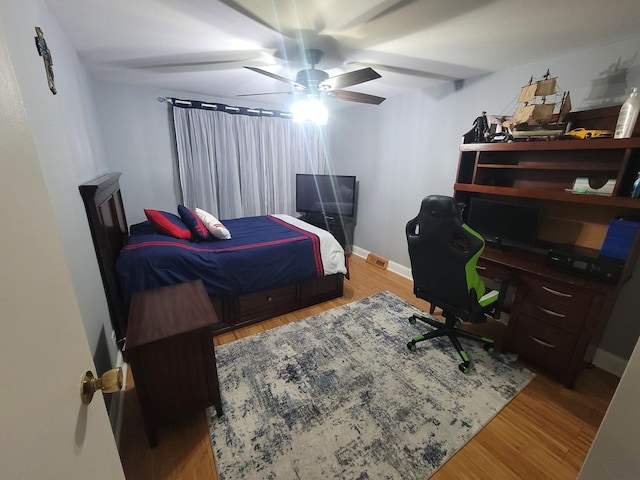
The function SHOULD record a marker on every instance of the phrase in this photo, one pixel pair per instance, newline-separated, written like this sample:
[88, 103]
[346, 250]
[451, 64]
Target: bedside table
[169, 346]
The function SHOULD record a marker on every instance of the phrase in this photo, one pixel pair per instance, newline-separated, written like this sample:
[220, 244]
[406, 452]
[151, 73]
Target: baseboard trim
[392, 266]
[609, 362]
[400, 270]
[360, 252]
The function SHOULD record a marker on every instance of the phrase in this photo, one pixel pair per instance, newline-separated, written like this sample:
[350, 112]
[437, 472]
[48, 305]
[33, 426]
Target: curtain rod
[176, 102]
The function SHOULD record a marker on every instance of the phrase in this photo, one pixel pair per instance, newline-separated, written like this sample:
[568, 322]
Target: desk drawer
[560, 292]
[544, 344]
[490, 270]
[558, 314]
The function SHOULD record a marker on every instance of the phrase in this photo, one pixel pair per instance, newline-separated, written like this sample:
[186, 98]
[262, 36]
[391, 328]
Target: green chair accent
[444, 252]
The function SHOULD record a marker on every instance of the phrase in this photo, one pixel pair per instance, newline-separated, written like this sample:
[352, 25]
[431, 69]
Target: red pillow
[168, 223]
[193, 222]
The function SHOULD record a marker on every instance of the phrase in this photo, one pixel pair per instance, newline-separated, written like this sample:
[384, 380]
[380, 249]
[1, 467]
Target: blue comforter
[263, 252]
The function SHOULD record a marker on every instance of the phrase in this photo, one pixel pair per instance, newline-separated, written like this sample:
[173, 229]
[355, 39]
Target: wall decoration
[45, 53]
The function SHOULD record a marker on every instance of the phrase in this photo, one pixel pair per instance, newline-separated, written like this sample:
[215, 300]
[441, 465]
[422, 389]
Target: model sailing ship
[541, 109]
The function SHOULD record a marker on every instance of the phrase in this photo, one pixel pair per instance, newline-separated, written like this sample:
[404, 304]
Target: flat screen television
[326, 194]
[503, 223]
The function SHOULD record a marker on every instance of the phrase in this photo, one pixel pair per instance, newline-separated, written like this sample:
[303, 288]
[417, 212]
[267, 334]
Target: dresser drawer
[560, 292]
[561, 315]
[544, 344]
[267, 303]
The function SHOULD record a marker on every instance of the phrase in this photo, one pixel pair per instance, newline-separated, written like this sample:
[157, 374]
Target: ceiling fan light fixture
[310, 109]
[316, 83]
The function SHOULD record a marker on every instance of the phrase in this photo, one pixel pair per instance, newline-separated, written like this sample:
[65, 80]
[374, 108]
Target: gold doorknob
[109, 382]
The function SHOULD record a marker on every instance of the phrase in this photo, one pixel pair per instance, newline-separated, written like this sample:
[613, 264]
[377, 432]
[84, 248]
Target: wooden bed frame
[107, 221]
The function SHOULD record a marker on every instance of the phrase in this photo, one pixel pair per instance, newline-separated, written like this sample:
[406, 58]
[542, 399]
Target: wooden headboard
[108, 224]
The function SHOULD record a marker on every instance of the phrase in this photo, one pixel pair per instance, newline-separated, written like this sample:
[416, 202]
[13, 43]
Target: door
[46, 431]
[614, 451]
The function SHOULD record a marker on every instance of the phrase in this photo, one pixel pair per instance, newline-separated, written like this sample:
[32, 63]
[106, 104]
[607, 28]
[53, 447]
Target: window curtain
[240, 165]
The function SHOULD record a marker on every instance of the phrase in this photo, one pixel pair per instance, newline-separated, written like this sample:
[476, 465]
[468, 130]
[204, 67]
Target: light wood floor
[545, 432]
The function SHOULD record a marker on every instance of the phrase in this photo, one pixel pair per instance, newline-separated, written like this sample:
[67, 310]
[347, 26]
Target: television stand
[341, 227]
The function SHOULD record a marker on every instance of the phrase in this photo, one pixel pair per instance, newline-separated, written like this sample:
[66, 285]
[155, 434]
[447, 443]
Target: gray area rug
[339, 395]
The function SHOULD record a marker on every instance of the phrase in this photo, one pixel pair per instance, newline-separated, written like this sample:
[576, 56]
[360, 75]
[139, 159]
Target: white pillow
[214, 225]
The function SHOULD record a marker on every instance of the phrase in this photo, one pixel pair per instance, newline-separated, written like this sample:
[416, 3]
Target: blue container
[620, 236]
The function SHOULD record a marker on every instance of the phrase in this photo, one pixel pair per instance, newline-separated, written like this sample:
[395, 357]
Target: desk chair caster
[448, 329]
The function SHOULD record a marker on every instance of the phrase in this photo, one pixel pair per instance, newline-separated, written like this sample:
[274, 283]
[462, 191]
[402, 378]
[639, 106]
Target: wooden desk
[555, 329]
[554, 316]
[170, 349]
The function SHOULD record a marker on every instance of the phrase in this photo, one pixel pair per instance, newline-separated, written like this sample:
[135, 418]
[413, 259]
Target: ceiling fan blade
[199, 61]
[412, 72]
[350, 78]
[355, 97]
[266, 93]
[277, 77]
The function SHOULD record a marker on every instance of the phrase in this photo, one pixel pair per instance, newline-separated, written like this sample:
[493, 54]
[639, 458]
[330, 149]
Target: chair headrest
[439, 206]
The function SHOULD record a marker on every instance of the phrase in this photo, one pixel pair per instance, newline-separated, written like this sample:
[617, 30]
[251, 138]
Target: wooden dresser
[170, 350]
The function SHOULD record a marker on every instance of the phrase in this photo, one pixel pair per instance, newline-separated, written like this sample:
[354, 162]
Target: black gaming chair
[443, 252]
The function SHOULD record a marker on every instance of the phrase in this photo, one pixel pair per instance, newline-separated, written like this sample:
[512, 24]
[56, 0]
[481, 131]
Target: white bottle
[628, 115]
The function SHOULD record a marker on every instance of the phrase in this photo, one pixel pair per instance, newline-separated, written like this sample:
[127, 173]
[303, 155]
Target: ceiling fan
[317, 82]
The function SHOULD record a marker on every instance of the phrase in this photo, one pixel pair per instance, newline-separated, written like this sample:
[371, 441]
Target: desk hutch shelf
[547, 170]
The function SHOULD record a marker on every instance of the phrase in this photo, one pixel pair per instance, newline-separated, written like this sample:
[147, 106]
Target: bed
[259, 288]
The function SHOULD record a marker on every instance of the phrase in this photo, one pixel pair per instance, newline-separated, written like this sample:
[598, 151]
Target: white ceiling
[200, 46]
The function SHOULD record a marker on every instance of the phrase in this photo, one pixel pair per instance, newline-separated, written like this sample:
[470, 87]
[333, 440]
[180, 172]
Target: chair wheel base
[464, 367]
[411, 346]
[489, 347]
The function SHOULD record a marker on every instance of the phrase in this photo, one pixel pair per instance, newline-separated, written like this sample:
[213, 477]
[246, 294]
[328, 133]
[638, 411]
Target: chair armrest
[504, 281]
[489, 298]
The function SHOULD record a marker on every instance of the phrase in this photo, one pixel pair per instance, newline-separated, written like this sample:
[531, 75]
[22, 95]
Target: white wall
[398, 153]
[70, 148]
[408, 147]
[137, 130]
